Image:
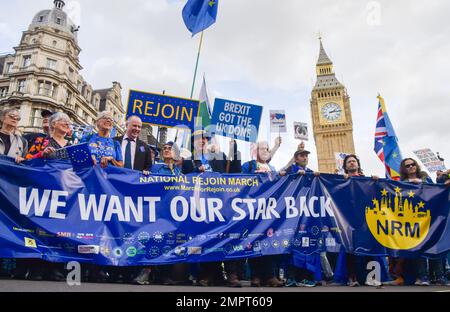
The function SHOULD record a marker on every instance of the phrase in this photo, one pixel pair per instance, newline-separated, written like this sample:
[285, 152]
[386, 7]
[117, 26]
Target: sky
[265, 51]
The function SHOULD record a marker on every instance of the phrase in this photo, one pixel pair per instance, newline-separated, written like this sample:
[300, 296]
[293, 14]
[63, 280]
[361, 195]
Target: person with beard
[355, 264]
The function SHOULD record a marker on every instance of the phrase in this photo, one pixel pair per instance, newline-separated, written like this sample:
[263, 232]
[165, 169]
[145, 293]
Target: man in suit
[136, 154]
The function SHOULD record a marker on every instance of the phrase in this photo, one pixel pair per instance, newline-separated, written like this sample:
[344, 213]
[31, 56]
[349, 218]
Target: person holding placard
[262, 268]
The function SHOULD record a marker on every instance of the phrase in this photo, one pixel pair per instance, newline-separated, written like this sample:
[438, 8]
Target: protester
[136, 156]
[443, 177]
[136, 153]
[12, 144]
[178, 273]
[410, 171]
[263, 269]
[300, 166]
[36, 140]
[356, 264]
[104, 150]
[170, 155]
[209, 159]
[53, 146]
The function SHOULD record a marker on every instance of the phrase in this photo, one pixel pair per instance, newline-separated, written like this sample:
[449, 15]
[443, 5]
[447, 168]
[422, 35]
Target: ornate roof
[55, 18]
[327, 82]
[323, 57]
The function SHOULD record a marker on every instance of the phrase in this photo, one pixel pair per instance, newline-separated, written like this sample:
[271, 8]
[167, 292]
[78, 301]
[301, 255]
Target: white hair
[133, 117]
[57, 117]
[104, 114]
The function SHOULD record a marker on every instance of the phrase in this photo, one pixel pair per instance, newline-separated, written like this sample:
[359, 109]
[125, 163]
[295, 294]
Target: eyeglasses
[167, 148]
[14, 117]
[407, 166]
[107, 119]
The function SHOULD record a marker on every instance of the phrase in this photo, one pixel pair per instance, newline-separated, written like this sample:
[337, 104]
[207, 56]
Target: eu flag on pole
[386, 143]
[200, 14]
[80, 156]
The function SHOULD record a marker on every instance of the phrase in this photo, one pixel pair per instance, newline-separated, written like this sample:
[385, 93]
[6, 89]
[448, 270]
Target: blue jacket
[251, 166]
[164, 169]
[296, 168]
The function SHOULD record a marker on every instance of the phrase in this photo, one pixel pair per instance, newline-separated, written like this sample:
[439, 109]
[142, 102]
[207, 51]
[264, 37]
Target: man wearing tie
[136, 154]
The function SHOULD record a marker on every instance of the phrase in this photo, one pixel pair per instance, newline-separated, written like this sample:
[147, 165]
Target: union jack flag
[386, 143]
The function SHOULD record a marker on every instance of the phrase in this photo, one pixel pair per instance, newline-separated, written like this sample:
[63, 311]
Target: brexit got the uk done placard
[236, 119]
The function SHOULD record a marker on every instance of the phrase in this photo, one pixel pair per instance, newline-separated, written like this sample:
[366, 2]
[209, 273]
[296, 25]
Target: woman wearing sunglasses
[410, 171]
[12, 144]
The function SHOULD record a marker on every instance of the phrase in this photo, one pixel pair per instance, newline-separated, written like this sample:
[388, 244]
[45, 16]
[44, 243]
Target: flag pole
[196, 64]
[195, 74]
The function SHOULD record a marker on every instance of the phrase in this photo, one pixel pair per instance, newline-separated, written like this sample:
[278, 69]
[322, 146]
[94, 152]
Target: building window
[21, 85]
[69, 99]
[35, 118]
[9, 67]
[58, 21]
[51, 64]
[3, 91]
[71, 72]
[41, 18]
[47, 88]
[26, 60]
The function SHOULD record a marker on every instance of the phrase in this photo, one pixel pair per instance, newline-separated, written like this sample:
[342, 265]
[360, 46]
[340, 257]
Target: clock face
[331, 112]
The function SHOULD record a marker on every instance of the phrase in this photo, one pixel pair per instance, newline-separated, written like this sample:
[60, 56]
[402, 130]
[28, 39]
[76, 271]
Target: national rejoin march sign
[120, 217]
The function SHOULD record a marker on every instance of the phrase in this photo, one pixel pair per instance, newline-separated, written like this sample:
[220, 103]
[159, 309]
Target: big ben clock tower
[331, 115]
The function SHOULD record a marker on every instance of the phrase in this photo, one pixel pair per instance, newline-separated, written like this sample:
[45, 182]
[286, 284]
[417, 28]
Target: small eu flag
[80, 156]
[200, 14]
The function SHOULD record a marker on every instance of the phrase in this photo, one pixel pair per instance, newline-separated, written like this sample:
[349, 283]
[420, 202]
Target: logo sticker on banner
[237, 120]
[398, 221]
[163, 110]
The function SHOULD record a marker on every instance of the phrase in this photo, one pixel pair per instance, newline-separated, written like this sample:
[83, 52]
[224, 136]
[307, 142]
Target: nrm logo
[398, 222]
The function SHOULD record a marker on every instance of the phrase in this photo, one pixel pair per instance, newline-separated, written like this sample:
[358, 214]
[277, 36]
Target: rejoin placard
[163, 110]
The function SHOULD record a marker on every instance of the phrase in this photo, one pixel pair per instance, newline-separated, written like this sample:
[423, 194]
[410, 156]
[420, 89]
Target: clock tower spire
[331, 115]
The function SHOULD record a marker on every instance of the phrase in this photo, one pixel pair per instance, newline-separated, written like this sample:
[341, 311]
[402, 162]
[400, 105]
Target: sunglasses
[14, 117]
[167, 148]
[410, 166]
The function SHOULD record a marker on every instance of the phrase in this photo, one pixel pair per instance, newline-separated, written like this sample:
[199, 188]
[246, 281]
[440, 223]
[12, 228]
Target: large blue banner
[121, 217]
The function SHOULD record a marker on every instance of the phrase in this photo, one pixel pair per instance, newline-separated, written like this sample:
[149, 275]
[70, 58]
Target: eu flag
[386, 143]
[80, 156]
[200, 14]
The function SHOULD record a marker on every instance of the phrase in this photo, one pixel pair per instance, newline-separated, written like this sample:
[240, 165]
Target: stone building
[44, 74]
